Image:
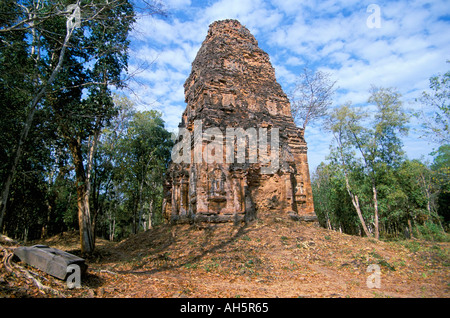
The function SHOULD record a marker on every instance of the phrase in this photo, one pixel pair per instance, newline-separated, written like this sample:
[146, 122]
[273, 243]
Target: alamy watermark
[74, 19]
[374, 20]
[237, 146]
[374, 279]
[73, 279]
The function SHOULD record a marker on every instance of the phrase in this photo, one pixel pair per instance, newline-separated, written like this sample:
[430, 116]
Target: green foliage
[55, 107]
[435, 109]
[332, 204]
[389, 124]
[367, 170]
[130, 163]
[407, 197]
[431, 231]
[441, 179]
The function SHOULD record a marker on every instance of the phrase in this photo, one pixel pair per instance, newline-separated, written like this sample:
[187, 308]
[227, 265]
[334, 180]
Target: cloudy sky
[387, 43]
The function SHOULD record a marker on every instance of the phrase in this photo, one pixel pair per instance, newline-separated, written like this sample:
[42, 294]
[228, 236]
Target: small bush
[432, 232]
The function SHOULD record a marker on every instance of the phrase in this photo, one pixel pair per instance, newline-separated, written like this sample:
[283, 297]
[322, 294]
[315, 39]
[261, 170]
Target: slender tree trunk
[113, 229]
[410, 228]
[84, 221]
[140, 205]
[328, 221]
[135, 216]
[17, 156]
[83, 188]
[27, 125]
[355, 202]
[426, 189]
[375, 204]
[150, 215]
[354, 198]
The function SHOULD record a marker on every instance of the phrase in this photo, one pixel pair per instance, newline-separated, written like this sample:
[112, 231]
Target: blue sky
[411, 45]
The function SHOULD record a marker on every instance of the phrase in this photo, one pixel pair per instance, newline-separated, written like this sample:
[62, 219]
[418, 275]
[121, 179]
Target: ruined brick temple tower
[239, 154]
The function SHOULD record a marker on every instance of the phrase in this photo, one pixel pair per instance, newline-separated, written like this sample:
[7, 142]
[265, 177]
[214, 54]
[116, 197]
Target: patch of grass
[380, 295]
[400, 263]
[293, 266]
[284, 239]
[363, 259]
[442, 253]
[381, 261]
[209, 267]
[191, 265]
[435, 253]
[413, 246]
[431, 231]
[249, 263]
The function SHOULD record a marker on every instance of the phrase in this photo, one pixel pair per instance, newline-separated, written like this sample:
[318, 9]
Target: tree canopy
[369, 173]
[57, 105]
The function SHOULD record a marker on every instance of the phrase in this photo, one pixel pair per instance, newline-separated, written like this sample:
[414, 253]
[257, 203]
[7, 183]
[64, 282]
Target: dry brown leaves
[273, 257]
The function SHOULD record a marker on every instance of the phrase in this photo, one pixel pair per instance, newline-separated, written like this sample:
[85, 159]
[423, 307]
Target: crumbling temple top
[238, 154]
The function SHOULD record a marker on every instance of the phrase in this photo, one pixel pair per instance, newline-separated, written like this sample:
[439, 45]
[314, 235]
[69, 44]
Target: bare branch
[312, 96]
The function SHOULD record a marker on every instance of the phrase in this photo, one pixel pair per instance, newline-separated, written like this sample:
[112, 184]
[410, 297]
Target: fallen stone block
[50, 260]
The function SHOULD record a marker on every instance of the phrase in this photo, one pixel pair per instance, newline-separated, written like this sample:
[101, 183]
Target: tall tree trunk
[40, 92]
[411, 235]
[84, 220]
[150, 215]
[112, 229]
[328, 221]
[354, 197]
[17, 155]
[140, 205]
[375, 204]
[355, 202]
[83, 189]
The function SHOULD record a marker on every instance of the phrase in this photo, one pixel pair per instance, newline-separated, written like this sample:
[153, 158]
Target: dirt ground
[271, 257]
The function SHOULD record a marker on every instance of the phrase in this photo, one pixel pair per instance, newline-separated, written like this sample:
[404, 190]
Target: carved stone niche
[211, 193]
[217, 195]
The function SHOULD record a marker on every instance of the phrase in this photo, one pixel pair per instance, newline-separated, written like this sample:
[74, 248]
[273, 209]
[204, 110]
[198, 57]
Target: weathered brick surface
[232, 85]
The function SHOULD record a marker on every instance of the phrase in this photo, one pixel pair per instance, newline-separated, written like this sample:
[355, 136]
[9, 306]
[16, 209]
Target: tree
[332, 203]
[343, 122]
[76, 50]
[441, 179]
[413, 181]
[409, 196]
[311, 97]
[71, 53]
[47, 48]
[146, 153]
[379, 147]
[81, 119]
[15, 89]
[108, 173]
[30, 18]
[382, 146]
[128, 171]
[435, 111]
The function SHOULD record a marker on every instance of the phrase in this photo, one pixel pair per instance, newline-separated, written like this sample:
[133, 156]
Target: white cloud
[229, 9]
[176, 4]
[294, 61]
